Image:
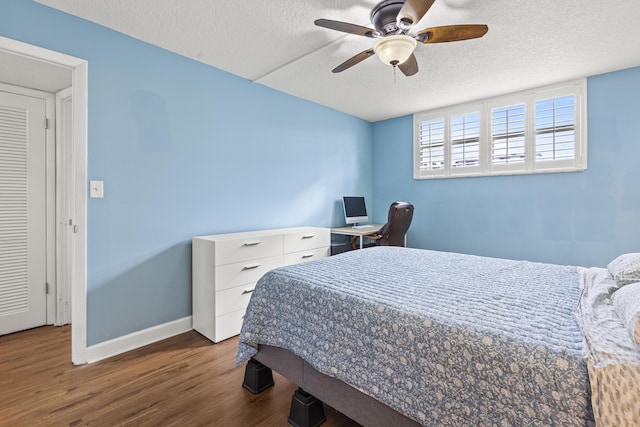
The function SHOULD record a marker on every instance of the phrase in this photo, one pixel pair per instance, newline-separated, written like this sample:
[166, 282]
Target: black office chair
[394, 231]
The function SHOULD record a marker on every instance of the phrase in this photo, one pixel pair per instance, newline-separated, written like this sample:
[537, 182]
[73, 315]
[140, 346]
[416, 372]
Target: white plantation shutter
[431, 145]
[13, 210]
[508, 126]
[465, 140]
[555, 129]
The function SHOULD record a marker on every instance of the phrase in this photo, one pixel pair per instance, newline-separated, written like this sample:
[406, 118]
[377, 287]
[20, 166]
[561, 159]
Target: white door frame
[77, 188]
[63, 226]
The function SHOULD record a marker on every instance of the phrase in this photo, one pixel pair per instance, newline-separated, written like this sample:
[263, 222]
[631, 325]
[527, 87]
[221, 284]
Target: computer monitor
[355, 210]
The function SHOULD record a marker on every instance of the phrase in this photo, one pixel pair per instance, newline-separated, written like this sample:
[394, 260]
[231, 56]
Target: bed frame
[306, 411]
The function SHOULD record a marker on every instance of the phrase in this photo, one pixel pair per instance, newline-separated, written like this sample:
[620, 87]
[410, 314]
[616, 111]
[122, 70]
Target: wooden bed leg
[257, 377]
[306, 410]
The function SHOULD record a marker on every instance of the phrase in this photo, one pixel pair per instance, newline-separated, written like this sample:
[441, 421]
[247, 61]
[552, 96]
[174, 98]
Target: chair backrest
[394, 231]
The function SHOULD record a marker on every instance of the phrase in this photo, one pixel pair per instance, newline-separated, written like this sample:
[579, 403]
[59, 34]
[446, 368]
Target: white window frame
[577, 88]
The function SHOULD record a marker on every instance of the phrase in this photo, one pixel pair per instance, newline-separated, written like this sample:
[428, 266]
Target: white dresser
[226, 267]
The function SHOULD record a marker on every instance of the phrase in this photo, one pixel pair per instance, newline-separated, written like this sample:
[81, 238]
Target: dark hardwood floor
[182, 381]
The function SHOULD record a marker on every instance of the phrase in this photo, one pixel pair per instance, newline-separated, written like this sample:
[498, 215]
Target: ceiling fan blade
[354, 60]
[452, 33]
[413, 10]
[410, 66]
[345, 27]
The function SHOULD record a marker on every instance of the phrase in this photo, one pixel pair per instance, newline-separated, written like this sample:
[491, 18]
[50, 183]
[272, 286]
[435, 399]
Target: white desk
[358, 232]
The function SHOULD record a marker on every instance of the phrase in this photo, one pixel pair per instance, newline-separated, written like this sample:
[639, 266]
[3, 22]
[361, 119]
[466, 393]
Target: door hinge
[46, 123]
[46, 288]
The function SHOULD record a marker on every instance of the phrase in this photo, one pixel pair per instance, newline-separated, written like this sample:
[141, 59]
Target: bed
[399, 336]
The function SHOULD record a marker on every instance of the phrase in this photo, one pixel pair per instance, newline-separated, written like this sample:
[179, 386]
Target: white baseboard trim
[138, 339]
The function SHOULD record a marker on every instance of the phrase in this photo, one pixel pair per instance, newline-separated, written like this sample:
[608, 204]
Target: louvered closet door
[22, 213]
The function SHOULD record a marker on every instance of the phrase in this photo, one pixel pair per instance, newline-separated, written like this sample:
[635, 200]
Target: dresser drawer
[243, 249]
[233, 299]
[304, 240]
[306, 256]
[229, 325]
[239, 273]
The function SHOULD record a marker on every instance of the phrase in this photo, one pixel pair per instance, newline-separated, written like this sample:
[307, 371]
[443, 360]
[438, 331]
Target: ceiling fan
[393, 21]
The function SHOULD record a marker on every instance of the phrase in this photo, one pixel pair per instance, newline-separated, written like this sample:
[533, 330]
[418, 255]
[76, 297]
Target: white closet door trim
[64, 205]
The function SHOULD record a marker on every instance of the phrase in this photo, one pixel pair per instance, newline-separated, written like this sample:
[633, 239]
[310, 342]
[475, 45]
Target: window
[537, 131]
[431, 144]
[465, 140]
[507, 134]
[555, 129]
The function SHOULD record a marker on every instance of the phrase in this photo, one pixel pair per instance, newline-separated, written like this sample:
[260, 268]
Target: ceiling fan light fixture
[394, 50]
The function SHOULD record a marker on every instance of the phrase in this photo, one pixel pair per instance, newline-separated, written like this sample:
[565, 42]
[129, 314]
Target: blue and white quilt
[446, 339]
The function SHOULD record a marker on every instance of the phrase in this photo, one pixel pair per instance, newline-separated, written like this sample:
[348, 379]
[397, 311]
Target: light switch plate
[96, 189]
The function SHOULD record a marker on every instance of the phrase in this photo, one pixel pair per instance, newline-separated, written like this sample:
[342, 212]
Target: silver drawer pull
[307, 256]
[308, 236]
[251, 243]
[251, 267]
[247, 291]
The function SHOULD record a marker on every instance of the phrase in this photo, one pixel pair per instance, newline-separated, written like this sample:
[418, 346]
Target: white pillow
[625, 269]
[626, 303]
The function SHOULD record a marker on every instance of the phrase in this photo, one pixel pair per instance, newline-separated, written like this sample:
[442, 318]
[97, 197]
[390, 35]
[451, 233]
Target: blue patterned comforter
[446, 339]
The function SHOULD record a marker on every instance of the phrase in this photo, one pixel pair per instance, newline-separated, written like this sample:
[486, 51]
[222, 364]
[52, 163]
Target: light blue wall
[584, 218]
[184, 150]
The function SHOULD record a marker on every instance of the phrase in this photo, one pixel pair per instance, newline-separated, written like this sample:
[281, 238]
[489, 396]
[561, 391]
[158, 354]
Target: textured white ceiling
[275, 43]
